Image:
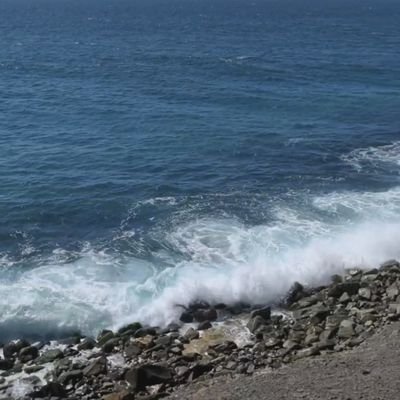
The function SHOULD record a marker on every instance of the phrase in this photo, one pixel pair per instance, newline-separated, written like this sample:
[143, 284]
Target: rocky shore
[141, 362]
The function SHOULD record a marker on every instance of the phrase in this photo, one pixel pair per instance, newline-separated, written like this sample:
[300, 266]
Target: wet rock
[147, 375]
[344, 298]
[104, 337]
[131, 327]
[295, 293]
[132, 350]
[307, 352]
[350, 288]
[51, 389]
[191, 334]
[87, 344]
[6, 364]
[364, 293]
[70, 377]
[50, 356]
[264, 312]
[390, 264]
[199, 369]
[186, 317]
[108, 346]
[256, 323]
[30, 369]
[205, 315]
[346, 329]
[145, 332]
[96, 367]
[28, 353]
[204, 326]
[392, 292]
[123, 395]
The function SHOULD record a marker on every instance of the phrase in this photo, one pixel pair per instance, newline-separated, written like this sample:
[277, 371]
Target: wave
[217, 259]
[374, 156]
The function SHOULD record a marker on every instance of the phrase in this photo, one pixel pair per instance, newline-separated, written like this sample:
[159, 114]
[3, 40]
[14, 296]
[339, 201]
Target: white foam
[220, 260]
[374, 156]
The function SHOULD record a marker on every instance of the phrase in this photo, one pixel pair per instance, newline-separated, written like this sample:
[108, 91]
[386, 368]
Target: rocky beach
[211, 343]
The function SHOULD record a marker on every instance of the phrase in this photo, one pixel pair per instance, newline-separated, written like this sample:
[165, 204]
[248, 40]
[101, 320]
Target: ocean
[157, 152]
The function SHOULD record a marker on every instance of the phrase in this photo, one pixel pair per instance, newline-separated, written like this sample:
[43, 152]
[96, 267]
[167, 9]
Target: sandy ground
[368, 372]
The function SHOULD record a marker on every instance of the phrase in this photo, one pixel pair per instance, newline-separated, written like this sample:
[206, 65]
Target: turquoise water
[155, 152]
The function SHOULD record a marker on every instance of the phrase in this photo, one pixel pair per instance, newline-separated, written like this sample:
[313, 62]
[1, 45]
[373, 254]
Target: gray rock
[147, 375]
[51, 389]
[346, 329]
[132, 350]
[108, 346]
[364, 293]
[392, 292]
[186, 317]
[104, 337]
[70, 377]
[131, 327]
[50, 356]
[256, 323]
[307, 352]
[28, 353]
[96, 367]
[205, 315]
[350, 288]
[344, 298]
[6, 364]
[264, 312]
[204, 326]
[191, 334]
[87, 344]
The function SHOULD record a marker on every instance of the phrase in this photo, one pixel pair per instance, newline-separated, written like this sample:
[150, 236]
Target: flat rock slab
[368, 372]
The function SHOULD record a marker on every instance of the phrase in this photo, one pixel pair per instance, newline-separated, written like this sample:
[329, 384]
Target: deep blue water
[157, 151]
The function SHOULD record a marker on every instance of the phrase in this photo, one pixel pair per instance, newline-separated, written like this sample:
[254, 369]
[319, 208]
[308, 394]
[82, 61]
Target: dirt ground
[369, 372]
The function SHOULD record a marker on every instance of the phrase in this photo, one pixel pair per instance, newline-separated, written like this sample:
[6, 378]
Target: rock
[256, 323]
[199, 369]
[87, 344]
[6, 364]
[145, 342]
[205, 315]
[264, 312]
[123, 395]
[204, 325]
[132, 350]
[307, 352]
[186, 317]
[346, 329]
[51, 389]
[344, 298]
[364, 293]
[395, 308]
[96, 367]
[70, 377]
[350, 288]
[108, 346]
[131, 327]
[191, 334]
[296, 292]
[28, 353]
[145, 332]
[163, 341]
[392, 292]
[147, 375]
[104, 337]
[30, 369]
[9, 350]
[50, 356]
[390, 264]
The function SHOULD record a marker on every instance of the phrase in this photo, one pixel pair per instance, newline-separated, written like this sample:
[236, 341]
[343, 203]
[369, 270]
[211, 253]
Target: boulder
[346, 329]
[87, 344]
[28, 353]
[191, 334]
[204, 326]
[6, 364]
[186, 317]
[104, 336]
[50, 390]
[96, 367]
[365, 293]
[123, 395]
[132, 350]
[108, 346]
[264, 312]
[205, 315]
[147, 375]
[50, 356]
[256, 323]
[350, 287]
[70, 377]
[131, 327]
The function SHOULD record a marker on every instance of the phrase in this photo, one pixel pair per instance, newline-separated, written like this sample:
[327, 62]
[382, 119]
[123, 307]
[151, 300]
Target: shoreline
[210, 341]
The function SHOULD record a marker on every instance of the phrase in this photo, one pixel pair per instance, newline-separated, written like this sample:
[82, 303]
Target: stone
[182, 371]
[145, 332]
[147, 375]
[50, 356]
[96, 367]
[122, 395]
[264, 312]
[30, 369]
[392, 292]
[9, 350]
[344, 298]
[186, 317]
[350, 287]
[205, 315]
[364, 293]
[70, 377]
[28, 353]
[87, 344]
[389, 264]
[131, 327]
[104, 337]
[6, 364]
[307, 352]
[204, 326]
[256, 323]
[108, 346]
[395, 308]
[191, 334]
[163, 341]
[132, 350]
[346, 329]
[50, 389]
[295, 293]
[199, 369]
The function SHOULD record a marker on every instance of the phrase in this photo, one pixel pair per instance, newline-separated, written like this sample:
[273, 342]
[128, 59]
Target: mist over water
[156, 153]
